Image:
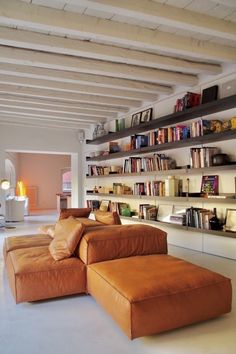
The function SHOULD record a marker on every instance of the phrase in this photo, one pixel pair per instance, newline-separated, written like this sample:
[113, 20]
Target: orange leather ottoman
[156, 293]
[34, 275]
[17, 242]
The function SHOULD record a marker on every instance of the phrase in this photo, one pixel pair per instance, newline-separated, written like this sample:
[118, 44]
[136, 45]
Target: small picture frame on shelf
[146, 115]
[135, 119]
[230, 220]
[104, 205]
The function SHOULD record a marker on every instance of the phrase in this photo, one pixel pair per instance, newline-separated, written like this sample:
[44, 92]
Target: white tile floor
[77, 325]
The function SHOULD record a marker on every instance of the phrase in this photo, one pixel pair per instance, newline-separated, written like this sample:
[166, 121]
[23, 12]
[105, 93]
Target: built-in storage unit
[225, 201]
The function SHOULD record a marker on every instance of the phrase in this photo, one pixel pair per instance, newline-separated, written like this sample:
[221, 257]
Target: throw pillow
[68, 233]
[76, 212]
[48, 230]
[107, 217]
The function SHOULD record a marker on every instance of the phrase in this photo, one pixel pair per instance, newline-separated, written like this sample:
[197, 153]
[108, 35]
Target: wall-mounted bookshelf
[222, 104]
[181, 227]
[172, 199]
[209, 138]
[177, 171]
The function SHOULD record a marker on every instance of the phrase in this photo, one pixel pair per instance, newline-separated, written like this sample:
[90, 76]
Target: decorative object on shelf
[119, 124]
[146, 115]
[210, 94]
[113, 147]
[210, 185]
[99, 130]
[135, 119]
[215, 223]
[220, 159]
[171, 186]
[230, 220]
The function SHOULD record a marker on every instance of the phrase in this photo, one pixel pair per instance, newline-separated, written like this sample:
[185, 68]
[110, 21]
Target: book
[210, 185]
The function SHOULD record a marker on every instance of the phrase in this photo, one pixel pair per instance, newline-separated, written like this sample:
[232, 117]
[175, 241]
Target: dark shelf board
[205, 109]
[209, 138]
[179, 171]
[186, 228]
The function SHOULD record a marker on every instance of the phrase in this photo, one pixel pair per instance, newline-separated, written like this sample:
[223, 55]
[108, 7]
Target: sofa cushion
[34, 275]
[76, 212]
[48, 229]
[156, 293]
[118, 241]
[107, 217]
[68, 233]
[17, 242]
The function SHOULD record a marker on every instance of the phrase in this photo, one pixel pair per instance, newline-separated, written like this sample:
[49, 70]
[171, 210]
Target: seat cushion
[18, 242]
[156, 293]
[34, 275]
[118, 241]
[68, 233]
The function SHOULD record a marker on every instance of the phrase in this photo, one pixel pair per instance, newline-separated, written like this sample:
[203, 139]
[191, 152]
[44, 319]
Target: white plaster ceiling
[73, 63]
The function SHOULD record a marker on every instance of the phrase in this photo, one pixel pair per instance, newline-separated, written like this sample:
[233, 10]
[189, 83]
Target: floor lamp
[5, 185]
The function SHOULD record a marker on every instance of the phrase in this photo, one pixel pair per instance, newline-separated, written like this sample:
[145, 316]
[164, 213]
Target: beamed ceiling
[72, 63]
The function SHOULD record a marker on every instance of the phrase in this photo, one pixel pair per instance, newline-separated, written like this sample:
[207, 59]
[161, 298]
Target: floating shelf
[199, 140]
[178, 171]
[185, 228]
[205, 109]
[172, 199]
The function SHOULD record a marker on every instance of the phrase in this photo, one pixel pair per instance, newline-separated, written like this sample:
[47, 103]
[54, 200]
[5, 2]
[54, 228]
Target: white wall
[44, 172]
[27, 139]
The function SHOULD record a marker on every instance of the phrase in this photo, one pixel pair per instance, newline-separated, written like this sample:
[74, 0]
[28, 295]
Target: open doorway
[42, 177]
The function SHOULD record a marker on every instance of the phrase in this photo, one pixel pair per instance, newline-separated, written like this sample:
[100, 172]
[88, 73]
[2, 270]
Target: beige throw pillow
[48, 230]
[68, 233]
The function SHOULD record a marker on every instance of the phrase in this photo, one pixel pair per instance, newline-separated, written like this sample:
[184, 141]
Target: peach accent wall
[44, 172]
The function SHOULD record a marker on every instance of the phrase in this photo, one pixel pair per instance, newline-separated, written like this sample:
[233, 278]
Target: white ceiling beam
[68, 104]
[70, 96]
[53, 115]
[97, 67]
[54, 44]
[75, 77]
[169, 15]
[8, 119]
[72, 87]
[55, 108]
[41, 18]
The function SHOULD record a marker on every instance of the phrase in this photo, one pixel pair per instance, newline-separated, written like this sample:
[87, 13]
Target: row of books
[148, 212]
[150, 188]
[198, 217]
[156, 162]
[202, 157]
[95, 170]
[170, 134]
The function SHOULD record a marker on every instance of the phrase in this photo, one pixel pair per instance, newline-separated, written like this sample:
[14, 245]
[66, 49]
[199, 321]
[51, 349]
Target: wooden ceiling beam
[75, 77]
[77, 88]
[41, 18]
[97, 67]
[54, 44]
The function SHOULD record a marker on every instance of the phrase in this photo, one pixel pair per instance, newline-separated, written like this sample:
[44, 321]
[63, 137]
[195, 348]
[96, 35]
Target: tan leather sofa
[127, 270]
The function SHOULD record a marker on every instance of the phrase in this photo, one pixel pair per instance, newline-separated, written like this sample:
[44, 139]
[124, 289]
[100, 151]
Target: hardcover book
[210, 185]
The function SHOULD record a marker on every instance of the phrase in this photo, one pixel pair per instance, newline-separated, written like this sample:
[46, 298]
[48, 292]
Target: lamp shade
[5, 184]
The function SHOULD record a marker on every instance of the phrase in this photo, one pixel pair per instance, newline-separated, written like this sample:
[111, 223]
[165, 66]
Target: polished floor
[77, 325]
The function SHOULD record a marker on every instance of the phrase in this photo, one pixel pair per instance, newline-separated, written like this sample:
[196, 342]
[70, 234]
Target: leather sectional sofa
[127, 270]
